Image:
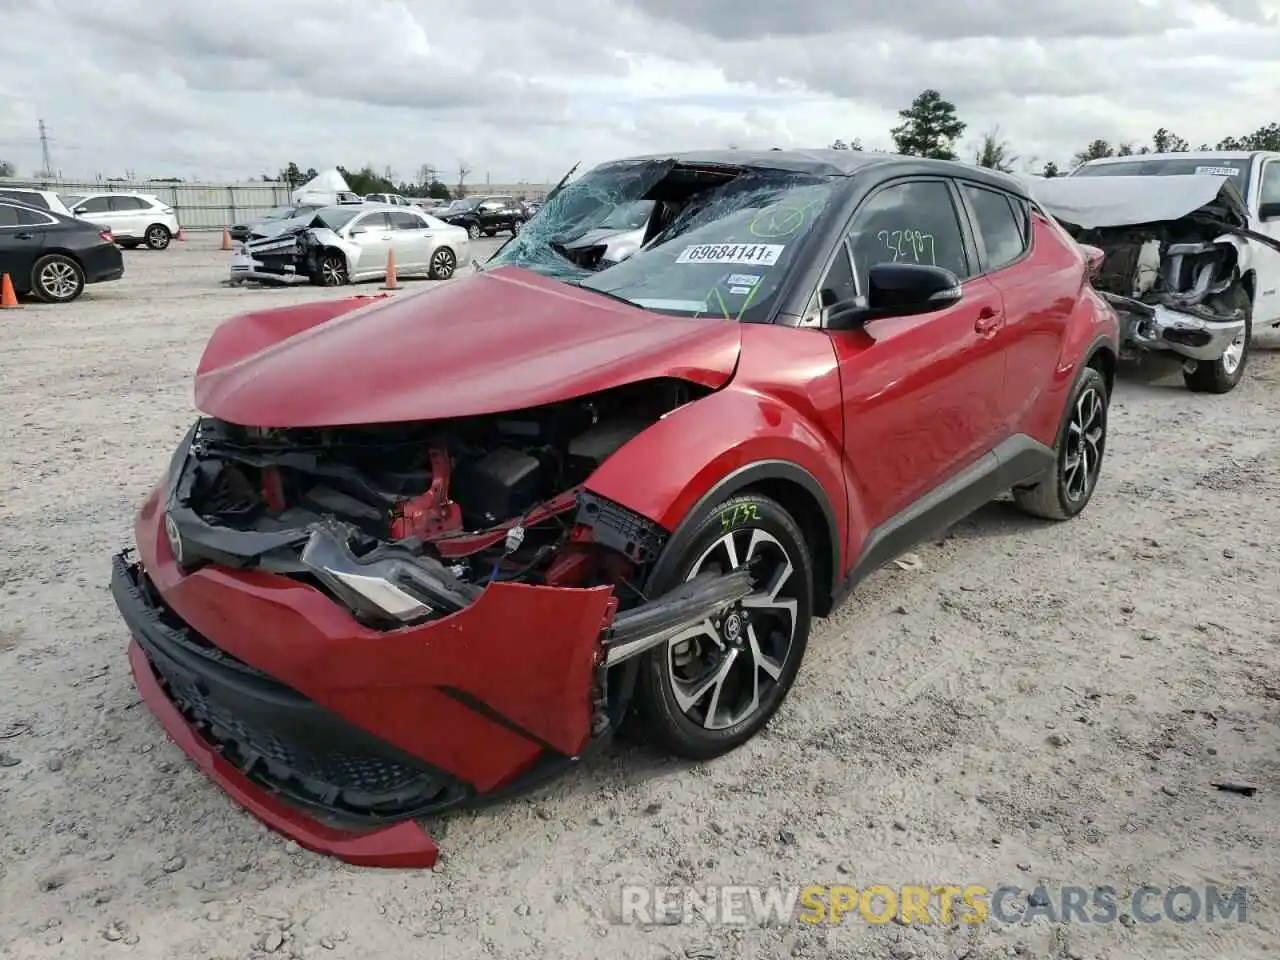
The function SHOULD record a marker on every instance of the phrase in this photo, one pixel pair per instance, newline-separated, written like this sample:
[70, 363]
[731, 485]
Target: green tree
[438, 190]
[929, 127]
[1264, 138]
[7, 169]
[854, 144]
[366, 180]
[1164, 141]
[1095, 151]
[1050, 170]
[994, 152]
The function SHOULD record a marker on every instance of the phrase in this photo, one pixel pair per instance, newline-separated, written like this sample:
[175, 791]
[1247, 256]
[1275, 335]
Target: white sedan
[347, 244]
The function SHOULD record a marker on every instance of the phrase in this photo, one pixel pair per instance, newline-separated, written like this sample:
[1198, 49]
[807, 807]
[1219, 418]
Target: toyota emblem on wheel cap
[175, 538]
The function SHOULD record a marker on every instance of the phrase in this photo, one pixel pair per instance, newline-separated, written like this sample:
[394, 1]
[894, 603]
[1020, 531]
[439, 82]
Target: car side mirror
[80, 210]
[898, 290]
[1269, 210]
[356, 231]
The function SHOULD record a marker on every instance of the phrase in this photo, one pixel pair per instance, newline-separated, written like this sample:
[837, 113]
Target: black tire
[515, 227]
[57, 278]
[1222, 375]
[682, 728]
[158, 236]
[1075, 474]
[443, 264]
[331, 271]
[473, 231]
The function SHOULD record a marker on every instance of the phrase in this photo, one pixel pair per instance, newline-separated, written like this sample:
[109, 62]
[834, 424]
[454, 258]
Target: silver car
[347, 244]
[615, 238]
[274, 216]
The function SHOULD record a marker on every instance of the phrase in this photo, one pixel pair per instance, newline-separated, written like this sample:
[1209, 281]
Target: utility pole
[46, 163]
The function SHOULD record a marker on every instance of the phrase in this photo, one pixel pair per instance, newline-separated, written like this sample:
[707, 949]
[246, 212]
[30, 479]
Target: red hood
[497, 341]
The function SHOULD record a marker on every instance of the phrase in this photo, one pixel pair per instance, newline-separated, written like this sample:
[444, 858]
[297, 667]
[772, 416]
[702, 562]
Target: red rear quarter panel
[1055, 319]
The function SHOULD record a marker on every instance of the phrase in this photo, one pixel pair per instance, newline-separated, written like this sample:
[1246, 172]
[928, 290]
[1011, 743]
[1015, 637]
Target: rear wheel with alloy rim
[443, 263]
[57, 278]
[711, 688]
[1081, 444]
[158, 236]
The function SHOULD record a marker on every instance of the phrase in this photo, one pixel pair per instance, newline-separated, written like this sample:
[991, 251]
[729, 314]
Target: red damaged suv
[425, 550]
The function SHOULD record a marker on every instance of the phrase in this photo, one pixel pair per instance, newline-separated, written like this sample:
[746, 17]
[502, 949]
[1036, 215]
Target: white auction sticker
[758, 254]
[743, 279]
[1217, 171]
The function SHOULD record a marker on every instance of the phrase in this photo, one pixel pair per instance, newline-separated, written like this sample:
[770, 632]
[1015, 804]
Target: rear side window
[122, 204]
[403, 220]
[30, 218]
[8, 215]
[1001, 228]
[95, 205]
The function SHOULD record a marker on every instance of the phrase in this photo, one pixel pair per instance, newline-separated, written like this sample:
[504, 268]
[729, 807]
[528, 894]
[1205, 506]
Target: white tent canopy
[323, 190]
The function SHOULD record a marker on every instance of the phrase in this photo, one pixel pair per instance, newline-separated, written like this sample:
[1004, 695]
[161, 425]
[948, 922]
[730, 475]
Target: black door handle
[22, 236]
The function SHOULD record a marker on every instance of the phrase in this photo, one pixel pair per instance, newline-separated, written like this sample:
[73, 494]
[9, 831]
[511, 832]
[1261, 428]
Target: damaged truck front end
[409, 617]
[1175, 264]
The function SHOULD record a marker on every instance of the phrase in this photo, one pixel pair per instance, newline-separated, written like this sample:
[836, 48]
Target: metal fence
[200, 206]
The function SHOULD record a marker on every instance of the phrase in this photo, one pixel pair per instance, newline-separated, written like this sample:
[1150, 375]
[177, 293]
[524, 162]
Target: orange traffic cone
[8, 299]
[391, 272]
[226, 239]
[182, 234]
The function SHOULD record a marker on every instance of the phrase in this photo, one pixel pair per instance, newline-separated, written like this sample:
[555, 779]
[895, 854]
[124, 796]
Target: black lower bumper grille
[279, 738]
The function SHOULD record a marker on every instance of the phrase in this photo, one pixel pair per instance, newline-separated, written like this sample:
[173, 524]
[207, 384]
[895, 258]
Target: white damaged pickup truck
[1191, 252]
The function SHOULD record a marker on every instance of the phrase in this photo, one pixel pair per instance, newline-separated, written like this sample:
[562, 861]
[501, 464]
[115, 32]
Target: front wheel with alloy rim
[443, 263]
[332, 272]
[158, 236]
[57, 278]
[711, 688]
[473, 231]
[1082, 441]
[1222, 375]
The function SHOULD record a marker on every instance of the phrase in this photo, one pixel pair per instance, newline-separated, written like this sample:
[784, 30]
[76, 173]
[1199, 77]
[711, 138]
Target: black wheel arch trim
[735, 482]
[727, 486]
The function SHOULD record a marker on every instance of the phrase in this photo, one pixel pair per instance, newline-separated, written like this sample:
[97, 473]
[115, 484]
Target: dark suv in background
[485, 214]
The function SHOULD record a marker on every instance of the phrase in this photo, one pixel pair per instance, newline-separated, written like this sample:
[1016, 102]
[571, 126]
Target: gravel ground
[1029, 703]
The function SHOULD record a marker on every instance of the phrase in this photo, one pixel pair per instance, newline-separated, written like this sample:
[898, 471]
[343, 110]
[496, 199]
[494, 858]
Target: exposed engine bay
[408, 522]
[1161, 274]
[1176, 252]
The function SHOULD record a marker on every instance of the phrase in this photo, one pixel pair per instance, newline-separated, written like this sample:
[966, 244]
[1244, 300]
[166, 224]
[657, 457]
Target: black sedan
[52, 256]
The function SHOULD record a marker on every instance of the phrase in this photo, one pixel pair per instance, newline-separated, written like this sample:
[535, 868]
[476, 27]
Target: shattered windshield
[629, 216]
[1237, 168]
[335, 218]
[722, 239]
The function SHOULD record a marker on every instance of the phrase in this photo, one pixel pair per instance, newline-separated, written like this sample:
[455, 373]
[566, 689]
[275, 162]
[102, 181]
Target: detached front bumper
[1154, 327]
[340, 735]
[265, 270]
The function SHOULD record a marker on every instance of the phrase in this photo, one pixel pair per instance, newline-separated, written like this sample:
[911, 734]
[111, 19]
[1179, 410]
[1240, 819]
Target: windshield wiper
[604, 293]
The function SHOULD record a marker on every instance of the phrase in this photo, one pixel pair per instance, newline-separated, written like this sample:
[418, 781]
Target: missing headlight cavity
[485, 499]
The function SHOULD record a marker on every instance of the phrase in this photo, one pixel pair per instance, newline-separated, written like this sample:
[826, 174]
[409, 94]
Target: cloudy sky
[234, 88]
